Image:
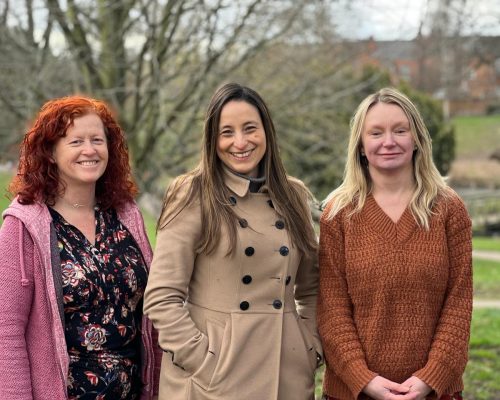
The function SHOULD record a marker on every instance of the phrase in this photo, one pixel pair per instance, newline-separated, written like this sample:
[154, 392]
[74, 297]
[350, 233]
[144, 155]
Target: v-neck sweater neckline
[381, 223]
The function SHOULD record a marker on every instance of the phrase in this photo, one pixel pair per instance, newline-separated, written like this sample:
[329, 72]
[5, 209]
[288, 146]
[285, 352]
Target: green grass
[476, 135]
[150, 223]
[319, 383]
[4, 181]
[486, 243]
[481, 375]
[486, 279]
[485, 331]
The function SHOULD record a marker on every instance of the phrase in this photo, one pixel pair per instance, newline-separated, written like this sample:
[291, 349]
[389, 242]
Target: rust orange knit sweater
[395, 300]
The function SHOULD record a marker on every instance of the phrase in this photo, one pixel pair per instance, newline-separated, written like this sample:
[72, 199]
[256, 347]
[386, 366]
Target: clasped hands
[413, 388]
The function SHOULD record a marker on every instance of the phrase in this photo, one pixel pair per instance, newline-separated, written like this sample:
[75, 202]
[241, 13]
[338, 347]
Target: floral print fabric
[103, 286]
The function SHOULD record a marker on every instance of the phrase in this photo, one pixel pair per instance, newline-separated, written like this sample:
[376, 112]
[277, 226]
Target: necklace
[74, 205]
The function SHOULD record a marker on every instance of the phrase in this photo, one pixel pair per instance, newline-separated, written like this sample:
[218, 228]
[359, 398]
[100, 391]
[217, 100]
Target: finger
[403, 396]
[397, 387]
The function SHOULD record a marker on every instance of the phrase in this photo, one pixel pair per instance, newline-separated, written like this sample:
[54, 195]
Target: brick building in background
[463, 72]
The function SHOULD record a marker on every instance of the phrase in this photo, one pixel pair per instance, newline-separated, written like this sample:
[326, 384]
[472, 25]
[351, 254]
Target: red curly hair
[38, 178]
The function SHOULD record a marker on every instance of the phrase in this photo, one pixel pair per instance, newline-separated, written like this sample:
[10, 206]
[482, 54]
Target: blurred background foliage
[158, 62]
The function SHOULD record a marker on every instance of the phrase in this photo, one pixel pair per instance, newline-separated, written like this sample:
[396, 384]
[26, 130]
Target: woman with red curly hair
[74, 259]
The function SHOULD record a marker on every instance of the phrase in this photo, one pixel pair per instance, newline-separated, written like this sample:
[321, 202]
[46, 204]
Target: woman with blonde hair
[395, 298]
[234, 277]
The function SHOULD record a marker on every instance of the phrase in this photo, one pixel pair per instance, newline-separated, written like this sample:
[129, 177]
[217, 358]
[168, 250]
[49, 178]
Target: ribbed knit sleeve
[341, 346]
[448, 355]
[15, 307]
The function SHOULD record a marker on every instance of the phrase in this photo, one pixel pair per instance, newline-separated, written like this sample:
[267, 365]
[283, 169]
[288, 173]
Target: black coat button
[243, 223]
[244, 305]
[284, 250]
[288, 279]
[249, 251]
[270, 202]
[232, 200]
[246, 279]
[279, 224]
[277, 304]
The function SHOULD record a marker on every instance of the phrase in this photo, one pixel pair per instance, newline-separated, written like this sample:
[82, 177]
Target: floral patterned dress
[103, 286]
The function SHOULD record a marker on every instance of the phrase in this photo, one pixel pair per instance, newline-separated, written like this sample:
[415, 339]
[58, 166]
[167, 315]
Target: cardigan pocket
[204, 374]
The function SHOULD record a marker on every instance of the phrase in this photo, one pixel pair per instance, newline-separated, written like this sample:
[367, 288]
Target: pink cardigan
[33, 355]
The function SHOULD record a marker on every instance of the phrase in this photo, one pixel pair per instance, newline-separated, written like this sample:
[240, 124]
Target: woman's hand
[380, 388]
[417, 385]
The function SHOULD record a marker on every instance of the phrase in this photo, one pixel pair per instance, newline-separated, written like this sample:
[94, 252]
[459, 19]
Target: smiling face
[387, 141]
[82, 155]
[241, 142]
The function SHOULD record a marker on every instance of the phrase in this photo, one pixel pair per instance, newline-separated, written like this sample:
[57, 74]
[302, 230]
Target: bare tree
[29, 71]
[157, 61]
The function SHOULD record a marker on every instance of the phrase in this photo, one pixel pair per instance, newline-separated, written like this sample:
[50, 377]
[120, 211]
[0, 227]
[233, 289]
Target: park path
[486, 303]
[486, 255]
[490, 256]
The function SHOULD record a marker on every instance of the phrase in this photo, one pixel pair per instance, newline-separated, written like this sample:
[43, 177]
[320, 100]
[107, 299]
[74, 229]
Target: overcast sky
[400, 19]
[389, 19]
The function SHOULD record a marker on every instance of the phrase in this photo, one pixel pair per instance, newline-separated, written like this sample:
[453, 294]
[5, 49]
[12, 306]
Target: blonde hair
[357, 184]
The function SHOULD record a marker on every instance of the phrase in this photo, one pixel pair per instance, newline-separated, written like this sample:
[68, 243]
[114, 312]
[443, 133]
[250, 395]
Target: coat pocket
[308, 338]
[204, 374]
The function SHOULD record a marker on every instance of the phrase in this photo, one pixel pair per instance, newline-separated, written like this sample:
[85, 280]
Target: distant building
[463, 72]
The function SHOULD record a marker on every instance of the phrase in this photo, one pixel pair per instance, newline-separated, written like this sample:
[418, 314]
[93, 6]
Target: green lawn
[481, 374]
[486, 243]
[486, 279]
[476, 135]
[150, 223]
[4, 201]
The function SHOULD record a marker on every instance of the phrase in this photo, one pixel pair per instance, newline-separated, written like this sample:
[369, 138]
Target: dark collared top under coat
[235, 327]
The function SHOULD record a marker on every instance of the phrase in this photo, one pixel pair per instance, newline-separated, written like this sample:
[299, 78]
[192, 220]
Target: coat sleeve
[16, 293]
[448, 354]
[167, 290]
[306, 295]
[341, 345]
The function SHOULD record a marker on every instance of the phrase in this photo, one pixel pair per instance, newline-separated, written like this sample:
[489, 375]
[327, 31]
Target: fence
[484, 208]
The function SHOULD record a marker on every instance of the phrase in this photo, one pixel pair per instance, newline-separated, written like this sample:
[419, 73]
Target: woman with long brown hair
[74, 259]
[234, 276]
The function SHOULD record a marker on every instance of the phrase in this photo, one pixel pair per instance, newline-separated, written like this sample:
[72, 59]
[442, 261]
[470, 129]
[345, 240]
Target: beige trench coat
[237, 327]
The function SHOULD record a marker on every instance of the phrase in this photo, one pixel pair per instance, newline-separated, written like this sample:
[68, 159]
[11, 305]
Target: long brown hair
[206, 182]
[38, 178]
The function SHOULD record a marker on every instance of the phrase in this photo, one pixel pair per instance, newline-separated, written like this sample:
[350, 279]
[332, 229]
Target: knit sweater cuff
[357, 376]
[437, 375]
